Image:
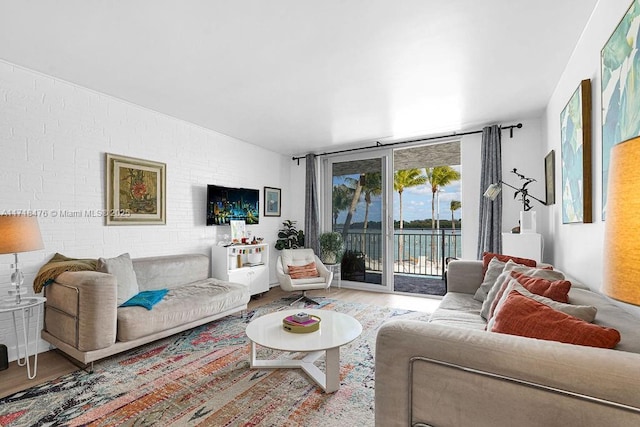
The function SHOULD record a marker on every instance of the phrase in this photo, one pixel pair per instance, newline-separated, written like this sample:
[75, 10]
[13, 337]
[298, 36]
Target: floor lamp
[621, 247]
[19, 233]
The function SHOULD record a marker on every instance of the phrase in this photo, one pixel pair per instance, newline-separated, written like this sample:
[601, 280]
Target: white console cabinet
[246, 264]
[523, 245]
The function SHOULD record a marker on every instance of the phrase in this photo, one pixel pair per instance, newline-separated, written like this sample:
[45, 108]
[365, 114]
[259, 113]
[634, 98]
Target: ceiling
[298, 76]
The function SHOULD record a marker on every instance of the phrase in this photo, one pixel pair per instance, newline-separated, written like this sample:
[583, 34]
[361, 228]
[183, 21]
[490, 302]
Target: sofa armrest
[464, 276]
[448, 376]
[81, 309]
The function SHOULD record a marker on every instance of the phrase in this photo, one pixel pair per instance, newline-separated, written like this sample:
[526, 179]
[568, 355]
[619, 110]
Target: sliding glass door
[356, 187]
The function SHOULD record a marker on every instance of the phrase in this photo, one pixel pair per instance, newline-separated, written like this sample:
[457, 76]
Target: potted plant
[331, 247]
[290, 237]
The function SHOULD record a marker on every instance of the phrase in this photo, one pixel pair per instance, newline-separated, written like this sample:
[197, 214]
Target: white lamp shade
[19, 233]
[621, 242]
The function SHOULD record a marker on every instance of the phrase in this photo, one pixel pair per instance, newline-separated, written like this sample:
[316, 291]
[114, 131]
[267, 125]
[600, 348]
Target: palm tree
[402, 179]
[454, 206]
[354, 185]
[341, 198]
[372, 186]
[438, 176]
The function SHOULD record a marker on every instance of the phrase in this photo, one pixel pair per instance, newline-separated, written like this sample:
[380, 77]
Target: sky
[416, 203]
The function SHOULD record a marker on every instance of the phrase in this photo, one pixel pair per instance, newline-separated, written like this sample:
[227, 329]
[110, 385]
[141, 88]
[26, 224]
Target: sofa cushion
[170, 271]
[511, 268]
[493, 271]
[525, 317]
[459, 309]
[122, 268]
[584, 312]
[612, 315]
[181, 305]
[557, 290]
[488, 256]
[303, 271]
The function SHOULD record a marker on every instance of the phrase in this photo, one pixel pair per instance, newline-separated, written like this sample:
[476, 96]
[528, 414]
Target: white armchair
[298, 258]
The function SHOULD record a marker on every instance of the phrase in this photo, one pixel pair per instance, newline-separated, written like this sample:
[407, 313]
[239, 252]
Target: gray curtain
[311, 225]
[489, 235]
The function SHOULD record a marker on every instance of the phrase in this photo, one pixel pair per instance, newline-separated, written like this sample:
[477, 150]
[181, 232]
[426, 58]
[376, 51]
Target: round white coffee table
[336, 329]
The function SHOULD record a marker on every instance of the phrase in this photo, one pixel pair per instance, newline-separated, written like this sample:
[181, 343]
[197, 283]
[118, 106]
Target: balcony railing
[420, 252]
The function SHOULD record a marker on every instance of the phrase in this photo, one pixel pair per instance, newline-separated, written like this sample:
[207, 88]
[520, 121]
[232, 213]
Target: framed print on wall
[575, 128]
[135, 191]
[620, 89]
[550, 178]
[272, 202]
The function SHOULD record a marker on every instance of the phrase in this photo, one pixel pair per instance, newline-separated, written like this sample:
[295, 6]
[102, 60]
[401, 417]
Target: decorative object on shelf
[289, 237]
[494, 189]
[19, 233]
[238, 230]
[272, 201]
[620, 88]
[621, 244]
[550, 178]
[331, 247]
[575, 127]
[135, 191]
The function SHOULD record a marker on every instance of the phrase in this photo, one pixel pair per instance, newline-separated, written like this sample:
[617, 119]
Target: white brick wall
[53, 140]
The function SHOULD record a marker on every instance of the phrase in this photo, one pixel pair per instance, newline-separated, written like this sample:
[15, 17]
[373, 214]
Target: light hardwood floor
[53, 364]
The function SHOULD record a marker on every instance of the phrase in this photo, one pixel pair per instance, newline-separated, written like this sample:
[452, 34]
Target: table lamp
[621, 247]
[19, 233]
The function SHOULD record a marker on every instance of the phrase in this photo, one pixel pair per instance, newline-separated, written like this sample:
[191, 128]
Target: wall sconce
[19, 233]
[494, 189]
[621, 249]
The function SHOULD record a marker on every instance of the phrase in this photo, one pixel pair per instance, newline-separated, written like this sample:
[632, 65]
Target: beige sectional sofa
[82, 318]
[451, 372]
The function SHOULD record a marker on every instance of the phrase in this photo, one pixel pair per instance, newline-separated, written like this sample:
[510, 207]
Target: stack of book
[299, 324]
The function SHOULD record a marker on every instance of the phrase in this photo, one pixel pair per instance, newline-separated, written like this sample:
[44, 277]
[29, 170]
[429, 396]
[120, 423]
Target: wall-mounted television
[225, 204]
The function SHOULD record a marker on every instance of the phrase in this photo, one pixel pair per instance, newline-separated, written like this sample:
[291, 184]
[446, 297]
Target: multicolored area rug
[202, 378]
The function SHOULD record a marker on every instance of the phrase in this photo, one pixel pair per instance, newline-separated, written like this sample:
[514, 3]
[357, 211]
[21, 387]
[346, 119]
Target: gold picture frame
[136, 191]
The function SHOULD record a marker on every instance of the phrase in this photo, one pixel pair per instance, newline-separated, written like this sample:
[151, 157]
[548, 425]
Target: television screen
[225, 204]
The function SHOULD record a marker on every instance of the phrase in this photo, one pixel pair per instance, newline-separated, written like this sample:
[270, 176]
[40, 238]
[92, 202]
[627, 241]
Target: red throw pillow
[487, 256]
[525, 317]
[557, 290]
[303, 271]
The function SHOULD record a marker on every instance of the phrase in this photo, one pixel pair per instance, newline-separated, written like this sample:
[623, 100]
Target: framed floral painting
[135, 191]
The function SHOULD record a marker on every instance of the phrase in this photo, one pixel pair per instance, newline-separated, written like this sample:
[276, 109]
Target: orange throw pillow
[487, 256]
[525, 317]
[303, 271]
[558, 290]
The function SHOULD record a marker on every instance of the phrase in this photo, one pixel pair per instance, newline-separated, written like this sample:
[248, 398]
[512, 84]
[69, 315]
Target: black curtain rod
[431, 138]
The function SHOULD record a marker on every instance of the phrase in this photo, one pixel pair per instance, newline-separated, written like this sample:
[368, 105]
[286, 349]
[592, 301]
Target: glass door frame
[326, 201]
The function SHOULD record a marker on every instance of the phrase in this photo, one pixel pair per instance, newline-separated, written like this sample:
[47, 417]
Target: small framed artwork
[135, 191]
[575, 129]
[272, 201]
[550, 178]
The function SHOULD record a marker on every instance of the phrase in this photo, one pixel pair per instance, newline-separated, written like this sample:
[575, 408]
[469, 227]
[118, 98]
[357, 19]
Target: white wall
[577, 248]
[53, 139]
[524, 152]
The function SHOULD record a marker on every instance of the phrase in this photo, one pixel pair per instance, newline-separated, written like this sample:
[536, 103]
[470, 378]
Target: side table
[25, 308]
[336, 269]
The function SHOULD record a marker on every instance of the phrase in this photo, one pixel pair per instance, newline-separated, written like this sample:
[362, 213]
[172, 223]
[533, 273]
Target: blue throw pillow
[146, 299]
